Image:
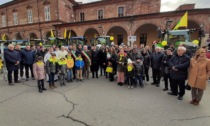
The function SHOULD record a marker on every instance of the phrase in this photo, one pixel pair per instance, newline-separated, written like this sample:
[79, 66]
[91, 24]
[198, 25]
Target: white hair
[157, 47]
[182, 48]
[10, 45]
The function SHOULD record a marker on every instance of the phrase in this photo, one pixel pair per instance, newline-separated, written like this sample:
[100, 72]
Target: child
[109, 69]
[51, 69]
[139, 72]
[62, 68]
[130, 73]
[79, 63]
[39, 73]
[70, 65]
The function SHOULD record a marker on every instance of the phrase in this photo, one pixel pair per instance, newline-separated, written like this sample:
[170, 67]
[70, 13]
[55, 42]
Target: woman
[121, 65]
[146, 63]
[198, 74]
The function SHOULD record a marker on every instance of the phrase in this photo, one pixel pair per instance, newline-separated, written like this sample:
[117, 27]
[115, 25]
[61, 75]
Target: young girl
[109, 70]
[70, 65]
[130, 73]
[79, 63]
[39, 73]
[62, 68]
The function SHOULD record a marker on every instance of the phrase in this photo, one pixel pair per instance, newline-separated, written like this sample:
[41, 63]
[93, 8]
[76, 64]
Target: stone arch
[73, 33]
[89, 34]
[119, 33]
[33, 36]
[146, 34]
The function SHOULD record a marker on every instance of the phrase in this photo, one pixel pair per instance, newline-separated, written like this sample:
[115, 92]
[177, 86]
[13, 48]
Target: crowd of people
[129, 65]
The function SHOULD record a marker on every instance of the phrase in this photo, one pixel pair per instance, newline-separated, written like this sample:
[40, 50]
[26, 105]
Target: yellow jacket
[70, 62]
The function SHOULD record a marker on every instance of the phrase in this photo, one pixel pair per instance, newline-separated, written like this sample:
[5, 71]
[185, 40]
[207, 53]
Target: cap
[129, 61]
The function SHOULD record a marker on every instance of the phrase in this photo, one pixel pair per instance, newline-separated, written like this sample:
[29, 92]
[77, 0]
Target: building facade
[33, 19]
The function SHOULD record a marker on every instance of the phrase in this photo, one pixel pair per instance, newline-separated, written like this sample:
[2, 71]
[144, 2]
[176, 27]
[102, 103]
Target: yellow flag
[182, 22]
[3, 37]
[69, 35]
[64, 35]
[52, 35]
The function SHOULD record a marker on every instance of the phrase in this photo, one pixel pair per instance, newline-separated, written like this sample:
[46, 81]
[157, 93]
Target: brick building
[33, 19]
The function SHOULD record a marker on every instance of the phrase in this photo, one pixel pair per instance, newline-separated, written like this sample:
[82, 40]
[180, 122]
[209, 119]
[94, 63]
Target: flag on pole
[52, 35]
[3, 37]
[182, 22]
[69, 34]
[64, 35]
[69, 37]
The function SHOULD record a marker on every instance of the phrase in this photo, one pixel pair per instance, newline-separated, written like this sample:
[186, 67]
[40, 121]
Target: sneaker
[165, 89]
[26, 79]
[131, 87]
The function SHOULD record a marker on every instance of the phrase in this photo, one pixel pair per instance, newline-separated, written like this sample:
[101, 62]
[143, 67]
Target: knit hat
[129, 61]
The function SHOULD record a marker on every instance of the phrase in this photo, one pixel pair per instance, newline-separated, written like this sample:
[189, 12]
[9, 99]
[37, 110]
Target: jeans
[139, 78]
[69, 74]
[51, 78]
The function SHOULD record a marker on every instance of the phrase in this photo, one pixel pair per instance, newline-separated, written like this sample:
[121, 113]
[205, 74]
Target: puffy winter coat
[39, 70]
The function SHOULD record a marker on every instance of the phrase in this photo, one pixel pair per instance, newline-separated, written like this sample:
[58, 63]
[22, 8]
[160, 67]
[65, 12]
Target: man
[28, 60]
[94, 61]
[42, 52]
[134, 55]
[62, 53]
[102, 58]
[12, 59]
[86, 54]
[179, 64]
[18, 49]
[156, 59]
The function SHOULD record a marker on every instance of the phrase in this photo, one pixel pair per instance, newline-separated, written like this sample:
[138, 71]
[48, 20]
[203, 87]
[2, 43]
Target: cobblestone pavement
[98, 102]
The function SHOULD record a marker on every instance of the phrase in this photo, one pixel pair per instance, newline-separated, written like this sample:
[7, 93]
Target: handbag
[109, 69]
[187, 87]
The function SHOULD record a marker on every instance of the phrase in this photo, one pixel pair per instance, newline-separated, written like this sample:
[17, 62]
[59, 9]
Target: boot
[40, 88]
[50, 85]
[43, 88]
[53, 85]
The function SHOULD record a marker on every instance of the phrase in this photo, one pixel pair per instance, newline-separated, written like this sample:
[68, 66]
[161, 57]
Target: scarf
[53, 60]
[62, 62]
[79, 58]
[39, 63]
[121, 56]
[129, 68]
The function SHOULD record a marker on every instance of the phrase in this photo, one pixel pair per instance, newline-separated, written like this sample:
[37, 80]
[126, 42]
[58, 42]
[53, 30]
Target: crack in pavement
[70, 112]
[199, 117]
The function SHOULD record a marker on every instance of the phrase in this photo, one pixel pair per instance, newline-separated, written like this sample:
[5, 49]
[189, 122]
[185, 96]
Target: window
[15, 17]
[119, 39]
[30, 16]
[100, 14]
[120, 11]
[47, 13]
[3, 20]
[143, 39]
[82, 16]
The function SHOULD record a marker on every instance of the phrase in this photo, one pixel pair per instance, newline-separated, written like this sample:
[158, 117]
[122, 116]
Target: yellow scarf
[53, 60]
[121, 56]
[130, 68]
[39, 63]
[62, 62]
[79, 58]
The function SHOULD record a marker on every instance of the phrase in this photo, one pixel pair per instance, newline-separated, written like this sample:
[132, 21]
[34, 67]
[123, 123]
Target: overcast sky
[166, 5]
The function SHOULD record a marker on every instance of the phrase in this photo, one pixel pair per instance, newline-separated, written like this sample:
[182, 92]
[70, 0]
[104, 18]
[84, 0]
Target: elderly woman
[199, 72]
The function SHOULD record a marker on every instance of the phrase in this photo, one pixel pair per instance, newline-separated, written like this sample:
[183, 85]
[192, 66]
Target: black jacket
[147, 60]
[11, 58]
[181, 63]
[156, 60]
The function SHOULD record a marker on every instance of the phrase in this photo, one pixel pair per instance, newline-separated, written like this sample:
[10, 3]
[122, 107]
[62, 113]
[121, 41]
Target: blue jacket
[28, 57]
[11, 58]
[79, 63]
[181, 63]
[156, 59]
